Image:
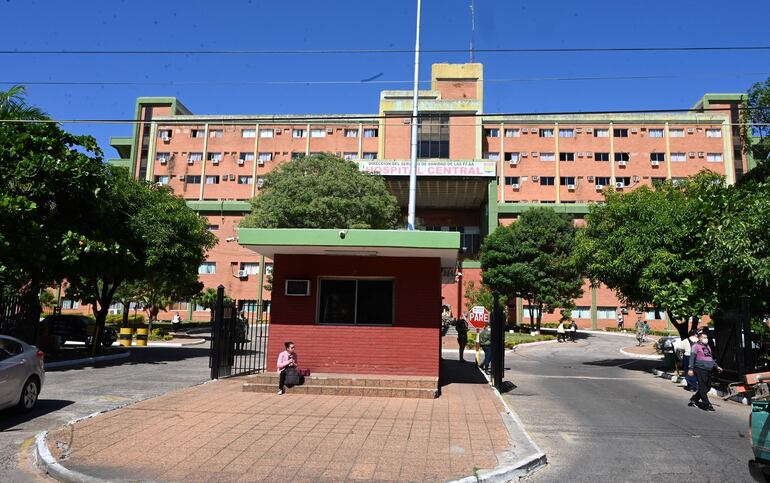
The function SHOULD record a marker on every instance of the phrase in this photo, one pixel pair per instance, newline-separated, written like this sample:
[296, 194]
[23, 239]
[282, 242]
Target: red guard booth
[362, 302]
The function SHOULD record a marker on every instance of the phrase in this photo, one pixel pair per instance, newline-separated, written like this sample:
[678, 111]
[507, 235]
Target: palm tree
[13, 105]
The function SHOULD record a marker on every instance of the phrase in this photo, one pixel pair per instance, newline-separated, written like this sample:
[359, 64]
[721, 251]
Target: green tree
[482, 295]
[322, 191]
[757, 118]
[148, 237]
[533, 258]
[649, 246]
[208, 299]
[50, 187]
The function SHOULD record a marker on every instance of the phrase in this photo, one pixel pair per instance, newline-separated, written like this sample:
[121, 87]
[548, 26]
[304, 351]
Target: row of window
[246, 268]
[244, 157]
[164, 179]
[167, 134]
[570, 181]
[598, 132]
[604, 313]
[515, 157]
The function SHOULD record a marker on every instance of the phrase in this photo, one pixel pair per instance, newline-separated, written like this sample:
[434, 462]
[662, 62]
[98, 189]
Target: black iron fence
[238, 337]
[19, 315]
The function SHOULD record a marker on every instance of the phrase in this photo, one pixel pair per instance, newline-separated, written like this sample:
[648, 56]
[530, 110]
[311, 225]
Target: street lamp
[413, 164]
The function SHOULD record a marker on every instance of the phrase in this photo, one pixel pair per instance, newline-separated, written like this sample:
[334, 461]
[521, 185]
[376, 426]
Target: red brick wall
[409, 347]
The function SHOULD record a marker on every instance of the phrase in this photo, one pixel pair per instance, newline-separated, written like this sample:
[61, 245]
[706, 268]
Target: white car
[21, 373]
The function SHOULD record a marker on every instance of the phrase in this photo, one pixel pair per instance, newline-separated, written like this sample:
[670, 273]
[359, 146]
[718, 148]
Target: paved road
[601, 416]
[74, 393]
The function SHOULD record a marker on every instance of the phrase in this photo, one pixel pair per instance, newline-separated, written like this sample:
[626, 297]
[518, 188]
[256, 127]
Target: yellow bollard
[141, 336]
[125, 336]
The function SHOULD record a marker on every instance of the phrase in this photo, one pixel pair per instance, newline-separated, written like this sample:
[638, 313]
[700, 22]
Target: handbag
[303, 371]
[291, 376]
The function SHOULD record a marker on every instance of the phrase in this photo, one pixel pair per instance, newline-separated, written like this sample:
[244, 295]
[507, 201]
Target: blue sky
[372, 24]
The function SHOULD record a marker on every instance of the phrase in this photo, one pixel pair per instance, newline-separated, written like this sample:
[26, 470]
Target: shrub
[133, 320]
[512, 340]
[160, 334]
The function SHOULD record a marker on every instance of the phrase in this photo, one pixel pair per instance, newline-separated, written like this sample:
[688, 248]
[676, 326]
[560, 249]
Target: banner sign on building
[432, 167]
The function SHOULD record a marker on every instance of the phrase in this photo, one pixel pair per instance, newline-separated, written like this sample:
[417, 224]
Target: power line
[355, 82]
[390, 51]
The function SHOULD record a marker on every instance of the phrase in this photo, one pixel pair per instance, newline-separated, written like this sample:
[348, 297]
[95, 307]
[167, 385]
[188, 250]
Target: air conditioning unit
[215, 162]
[278, 130]
[590, 178]
[589, 154]
[690, 130]
[700, 154]
[622, 162]
[578, 130]
[589, 130]
[691, 154]
[163, 160]
[535, 178]
[524, 154]
[241, 162]
[634, 130]
[636, 179]
[329, 130]
[655, 162]
[571, 187]
[580, 154]
[232, 177]
[181, 177]
[243, 274]
[260, 183]
[515, 186]
[190, 160]
[514, 162]
[166, 138]
[261, 162]
[599, 187]
[620, 185]
[535, 154]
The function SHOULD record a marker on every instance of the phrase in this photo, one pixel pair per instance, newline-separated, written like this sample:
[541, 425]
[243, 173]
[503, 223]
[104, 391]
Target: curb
[173, 344]
[45, 461]
[86, 360]
[641, 356]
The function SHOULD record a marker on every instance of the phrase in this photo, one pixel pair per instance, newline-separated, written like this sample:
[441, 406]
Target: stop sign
[478, 317]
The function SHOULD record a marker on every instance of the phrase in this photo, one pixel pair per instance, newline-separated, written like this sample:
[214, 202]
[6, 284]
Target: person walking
[646, 331]
[176, 321]
[620, 321]
[286, 360]
[572, 331]
[462, 336]
[639, 328]
[687, 343]
[485, 340]
[703, 364]
[561, 333]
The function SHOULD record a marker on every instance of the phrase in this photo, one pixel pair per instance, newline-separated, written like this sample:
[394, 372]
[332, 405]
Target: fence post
[216, 332]
[498, 342]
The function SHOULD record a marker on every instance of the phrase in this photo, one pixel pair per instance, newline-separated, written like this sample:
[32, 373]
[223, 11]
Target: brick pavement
[217, 432]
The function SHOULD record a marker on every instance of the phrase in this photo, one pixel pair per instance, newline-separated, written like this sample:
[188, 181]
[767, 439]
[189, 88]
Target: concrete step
[349, 385]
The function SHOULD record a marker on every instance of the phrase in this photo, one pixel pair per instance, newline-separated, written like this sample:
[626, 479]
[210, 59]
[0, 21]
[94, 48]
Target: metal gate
[238, 337]
[733, 340]
[19, 315]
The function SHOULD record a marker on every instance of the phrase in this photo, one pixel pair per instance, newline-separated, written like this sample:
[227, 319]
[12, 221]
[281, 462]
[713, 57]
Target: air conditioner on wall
[190, 161]
[622, 162]
[181, 177]
[514, 162]
[620, 185]
[215, 162]
[590, 178]
[535, 178]
[655, 162]
[515, 186]
[329, 130]
[243, 274]
[599, 187]
[261, 162]
[163, 160]
[581, 154]
[241, 162]
[571, 187]
[524, 154]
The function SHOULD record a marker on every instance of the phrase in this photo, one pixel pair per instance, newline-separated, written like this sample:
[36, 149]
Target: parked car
[21, 373]
[666, 344]
[72, 327]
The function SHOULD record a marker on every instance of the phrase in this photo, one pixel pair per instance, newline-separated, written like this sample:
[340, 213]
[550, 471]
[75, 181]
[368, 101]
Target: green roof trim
[353, 238]
[218, 206]
[712, 97]
[518, 208]
[123, 163]
[471, 264]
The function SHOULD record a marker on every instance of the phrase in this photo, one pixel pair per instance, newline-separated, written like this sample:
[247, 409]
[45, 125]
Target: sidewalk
[217, 432]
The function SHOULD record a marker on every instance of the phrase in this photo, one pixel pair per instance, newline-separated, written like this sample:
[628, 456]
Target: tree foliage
[757, 116]
[533, 258]
[322, 191]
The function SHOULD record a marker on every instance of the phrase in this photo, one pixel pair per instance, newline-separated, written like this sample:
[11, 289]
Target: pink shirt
[284, 358]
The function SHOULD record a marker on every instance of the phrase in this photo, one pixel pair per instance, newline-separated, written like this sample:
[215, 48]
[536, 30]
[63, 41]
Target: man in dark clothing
[485, 340]
[702, 364]
[462, 336]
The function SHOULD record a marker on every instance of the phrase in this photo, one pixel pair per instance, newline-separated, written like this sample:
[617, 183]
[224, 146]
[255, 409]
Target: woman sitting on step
[287, 362]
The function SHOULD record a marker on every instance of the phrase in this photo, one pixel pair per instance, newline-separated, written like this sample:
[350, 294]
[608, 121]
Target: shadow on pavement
[639, 365]
[145, 355]
[456, 372]
[11, 417]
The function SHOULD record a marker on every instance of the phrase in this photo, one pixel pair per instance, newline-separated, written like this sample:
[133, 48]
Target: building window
[192, 157]
[370, 155]
[215, 157]
[250, 268]
[297, 154]
[246, 157]
[163, 158]
[260, 182]
[567, 180]
[581, 313]
[207, 268]
[602, 180]
[624, 180]
[601, 133]
[161, 180]
[676, 133]
[547, 181]
[214, 179]
[657, 182]
[566, 156]
[351, 133]
[197, 133]
[433, 136]
[242, 179]
[512, 157]
[364, 302]
[566, 133]
[547, 156]
[655, 133]
[602, 156]
[713, 133]
[714, 157]
[265, 133]
[213, 227]
[606, 313]
[511, 180]
[193, 179]
[658, 157]
[678, 157]
[492, 132]
[653, 314]
[318, 133]
[215, 133]
[620, 132]
[349, 156]
[534, 310]
[492, 156]
[370, 133]
[622, 157]
[546, 133]
[298, 133]
[248, 133]
[265, 157]
[512, 133]
[67, 304]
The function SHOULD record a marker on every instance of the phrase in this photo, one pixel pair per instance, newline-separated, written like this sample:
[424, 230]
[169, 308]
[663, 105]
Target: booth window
[362, 302]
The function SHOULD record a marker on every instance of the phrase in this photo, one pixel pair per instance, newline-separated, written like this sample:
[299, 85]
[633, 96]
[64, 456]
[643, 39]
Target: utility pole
[413, 164]
[473, 28]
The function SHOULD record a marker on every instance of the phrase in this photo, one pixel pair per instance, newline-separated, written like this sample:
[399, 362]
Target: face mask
[704, 341]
